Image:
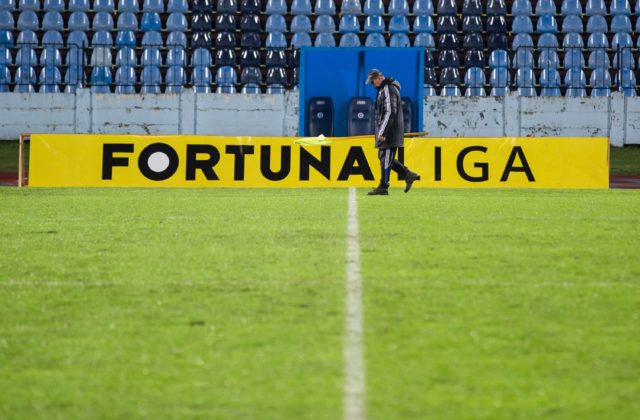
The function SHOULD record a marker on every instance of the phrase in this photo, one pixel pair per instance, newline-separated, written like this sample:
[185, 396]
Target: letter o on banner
[158, 161]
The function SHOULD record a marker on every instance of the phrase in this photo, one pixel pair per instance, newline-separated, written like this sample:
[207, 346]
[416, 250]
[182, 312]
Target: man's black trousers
[388, 162]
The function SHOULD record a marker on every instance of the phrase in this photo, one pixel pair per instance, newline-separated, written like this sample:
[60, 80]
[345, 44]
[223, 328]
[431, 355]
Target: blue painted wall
[340, 73]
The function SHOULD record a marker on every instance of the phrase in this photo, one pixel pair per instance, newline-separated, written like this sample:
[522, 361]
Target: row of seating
[156, 6]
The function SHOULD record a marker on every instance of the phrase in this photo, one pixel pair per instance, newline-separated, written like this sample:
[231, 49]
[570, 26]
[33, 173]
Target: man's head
[375, 77]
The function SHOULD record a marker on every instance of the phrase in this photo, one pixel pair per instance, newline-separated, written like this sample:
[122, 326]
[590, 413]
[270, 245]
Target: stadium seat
[201, 22]
[621, 23]
[430, 77]
[548, 41]
[52, 21]
[78, 21]
[448, 42]
[277, 76]
[374, 24]
[101, 79]
[52, 39]
[423, 40]
[28, 20]
[177, 39]
[201, 58]
[474, 77]
[201, 79]
[251, 22]
[26, 56]
[599, 59]
[447, 24]
[177, 6]
[27, 38]
[251, 75]
[127, 21]
[423, 24]
[473, 23]
[103, 6]
[349, 7]
[595, 7]
[128, 6]
[126, 57]
[619, 7]
[325, 39]
[227, 6]
[398, 8]
[325, 7]
[449, 76]
[499, 81]
[250, 58]
[572, 23]
[398, 24]
[5, 79]
[278, 40]
[33, 5]
[548, 58]
[473, 41]
[276, 7]
[250, 40]
[154, 39]
[102, 38]
[522, 25]
[177, 22]
[225, 40]
[429, 90]
[176, 57]
[522, 40]
[545, 8]
[73, 78]
[275, 23]
[377, 40]
[151, 57]
[422, 8]
[450, 90]
[573, 58]
[320, 111]
[50, 57]
[547, 24]
[499, 59]
[125, 80]
[102, 21]
[6, 59]
[225, 57]
[349, 24]
[497, 25]
[101, 57]
[575, 82]
[474, 58]
[600, 82]
[374, 8]
[251, 89]
[360, 116]
[550, 78]
[150, 79]
[324, 23]
[175, 80]
[399, 40]
[571, 7]
[349, 40]
[623, 59]
[621, 40]
[302, 7]
[625, 80]
[300, 23]
[78, 38]
[597, 40]
[7, 5]
[154, 6]
[472, 8]
[7, 22]
[526, 81]
[79, 6]
[202, 6]
[447, 7]
[301, 39]
[521, 8]
[150, 22]
[597, 24]
[496, 7]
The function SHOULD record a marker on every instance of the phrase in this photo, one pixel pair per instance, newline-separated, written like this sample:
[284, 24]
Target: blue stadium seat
[600, 82]
[547, 24]
[473, 41]
[28, 20]
[250, 40]
[226, 89]
[575, 82]
[398, 7]
[325, 39]
[374, 8]
[102, 21]
[226, 23]
[177, 6]
[78, 21]
[624, 59]
[324, 23]
[101, 78]
[154, 39]
[474, 77]
[276, 58]
[251, 75]
[276, 23]
[276, 7]
[424, 40]
[548, 58]
[227, 6]
[523, 58]
[202, 6]
[474, 58]
[28, 38]
[448, 58]
[597, 40]
[430, 77]
[300, 23]
[301, 8]
[450, 90]
[275, 89]
[349, 24]
[473, 23]
[621, 23]
[226, 76]
[126, 57]
[423, 24]
[127, 21]
[546, 7]
[399, 24]
[126, 80]
[351, 7]
[251, 89]
[276, 40]
[374, 24]
[475, 91]
[73, 78]
[29, 5]
[7, 5]
[377, 40]
[176, 57]
[399, 40]
[625, 79]
[496, 7]
[151, 57]
[548, 41]
[497, 25]
[572, 23]
[103, 6]
[595, 7]
[526, 81]
[499, 81]
[597, 24]
[472, 8]
[150, 22]
[175, 78]
[573, 58]
[500, 41]
[201, 79]
[550, 77]
[78, 39]
[422, 8]
[24, 80]
[251, 22]
[571, 7]
[201, 22]
[177, 22]
[621, 40]
[52, 21]
[447, 24]
[79, 6]
[128, 6]
[498, 59]
[6, 21]
[429, 91]
[5, 79]
[360, 116]
[301, 39]
[6, 59]
[102, 38]
[177, 39]
[447, 7]
[52, 39]
[201, 57]
[150, 79]
[448, 42]
[277, 76]
[51, 57]
[101, 56]
[522, 25]
[26, 56]
[619, 7]
[522, 40]
[599, 59]
[637, 9]
[521, 7]
[325, 7]
[225, 40]
[153, 6]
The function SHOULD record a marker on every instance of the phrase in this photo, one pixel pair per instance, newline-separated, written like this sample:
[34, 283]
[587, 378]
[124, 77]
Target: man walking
[389, 131]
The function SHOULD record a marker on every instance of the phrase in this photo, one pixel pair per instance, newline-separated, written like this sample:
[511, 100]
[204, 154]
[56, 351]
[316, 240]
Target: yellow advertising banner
[62, 160]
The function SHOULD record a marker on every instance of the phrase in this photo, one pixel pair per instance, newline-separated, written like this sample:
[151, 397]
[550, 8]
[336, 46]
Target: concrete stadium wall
[616, 117]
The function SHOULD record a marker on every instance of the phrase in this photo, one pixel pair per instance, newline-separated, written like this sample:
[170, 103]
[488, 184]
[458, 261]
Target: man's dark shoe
[410, 177]
[379, 191]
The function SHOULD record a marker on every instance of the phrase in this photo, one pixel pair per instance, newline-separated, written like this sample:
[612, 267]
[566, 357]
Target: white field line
[354, 385]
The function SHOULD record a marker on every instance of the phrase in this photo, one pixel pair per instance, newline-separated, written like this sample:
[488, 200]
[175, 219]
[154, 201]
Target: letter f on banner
[109, 161]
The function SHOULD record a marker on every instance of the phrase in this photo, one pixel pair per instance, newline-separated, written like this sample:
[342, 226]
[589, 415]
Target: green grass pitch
[230, 304]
